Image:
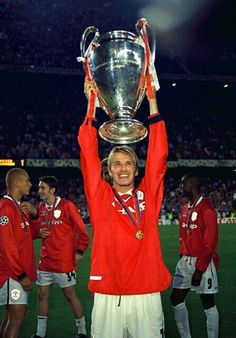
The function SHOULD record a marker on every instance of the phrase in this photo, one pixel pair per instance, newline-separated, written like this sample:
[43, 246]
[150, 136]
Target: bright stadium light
[226, 85]
[173, 84]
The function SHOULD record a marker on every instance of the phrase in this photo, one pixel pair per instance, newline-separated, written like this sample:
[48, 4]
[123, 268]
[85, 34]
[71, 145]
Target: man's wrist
[34, 216]
[22, 276]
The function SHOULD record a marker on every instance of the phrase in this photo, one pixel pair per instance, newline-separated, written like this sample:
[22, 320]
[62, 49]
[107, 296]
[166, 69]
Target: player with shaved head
[17, 260]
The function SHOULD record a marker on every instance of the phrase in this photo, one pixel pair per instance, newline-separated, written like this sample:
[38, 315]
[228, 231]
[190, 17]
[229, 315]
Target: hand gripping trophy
[118, 63]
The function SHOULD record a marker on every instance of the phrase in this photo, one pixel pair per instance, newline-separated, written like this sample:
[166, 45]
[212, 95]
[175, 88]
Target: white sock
[42, 326]
[81, 325]
[181, 318]
[212, 322]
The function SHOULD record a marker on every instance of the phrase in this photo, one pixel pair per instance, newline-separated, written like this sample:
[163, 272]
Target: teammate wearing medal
[64, 239]
[197, 267]
[17, 260]
[127, 268]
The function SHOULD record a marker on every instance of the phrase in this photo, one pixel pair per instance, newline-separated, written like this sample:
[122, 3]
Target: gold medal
[139, 234]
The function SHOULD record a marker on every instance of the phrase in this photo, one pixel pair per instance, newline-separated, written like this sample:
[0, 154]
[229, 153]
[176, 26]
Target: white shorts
[63, 279]
[136, 316]
[183, 275]
[13, 293]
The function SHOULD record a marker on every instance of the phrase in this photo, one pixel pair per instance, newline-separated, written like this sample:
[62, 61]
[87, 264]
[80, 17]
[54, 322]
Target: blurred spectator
[41, 33]
[219, 191]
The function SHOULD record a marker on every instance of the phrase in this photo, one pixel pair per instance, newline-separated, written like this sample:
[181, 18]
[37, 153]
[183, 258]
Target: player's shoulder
[66, 203]
[6, 202]
[7, 211]
[206, 204]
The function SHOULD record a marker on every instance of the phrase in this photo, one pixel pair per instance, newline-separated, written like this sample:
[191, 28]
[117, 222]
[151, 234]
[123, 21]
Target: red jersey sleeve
[210, 238]
[34, 226]
[8, 243]
[87, 138]
[156, 163]
[82, 238]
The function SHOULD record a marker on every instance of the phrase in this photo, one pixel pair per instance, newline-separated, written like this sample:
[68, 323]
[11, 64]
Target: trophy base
[123, 131]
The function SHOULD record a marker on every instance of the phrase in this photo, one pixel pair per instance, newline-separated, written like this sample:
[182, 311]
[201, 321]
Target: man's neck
[194, 196]
[15, 195]
[123, 189]
[50, 200]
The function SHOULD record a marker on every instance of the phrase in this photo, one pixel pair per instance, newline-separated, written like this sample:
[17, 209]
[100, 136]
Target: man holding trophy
[127, 268]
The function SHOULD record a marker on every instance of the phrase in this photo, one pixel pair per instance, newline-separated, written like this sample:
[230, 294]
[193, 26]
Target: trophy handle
[139, 25]
[83, 42]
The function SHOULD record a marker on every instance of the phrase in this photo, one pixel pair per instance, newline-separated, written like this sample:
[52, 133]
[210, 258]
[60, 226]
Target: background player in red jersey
[127, 269]
[64, 239]
[197, 267]
[17, 260]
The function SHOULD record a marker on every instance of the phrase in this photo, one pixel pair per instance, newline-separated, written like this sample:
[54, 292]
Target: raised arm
[87, 139]
[156, 163]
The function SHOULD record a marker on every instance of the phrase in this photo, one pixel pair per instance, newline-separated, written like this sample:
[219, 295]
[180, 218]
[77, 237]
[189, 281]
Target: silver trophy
[117, 65]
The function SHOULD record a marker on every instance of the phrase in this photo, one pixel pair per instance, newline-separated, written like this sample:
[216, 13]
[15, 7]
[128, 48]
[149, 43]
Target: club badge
[194, 216]
[15, 294]
[57, 213]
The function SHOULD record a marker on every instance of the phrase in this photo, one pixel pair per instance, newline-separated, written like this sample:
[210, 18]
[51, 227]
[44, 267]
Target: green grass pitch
[61, 322]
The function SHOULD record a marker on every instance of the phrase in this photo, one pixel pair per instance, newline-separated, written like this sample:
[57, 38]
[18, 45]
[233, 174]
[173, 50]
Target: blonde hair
[125, 150]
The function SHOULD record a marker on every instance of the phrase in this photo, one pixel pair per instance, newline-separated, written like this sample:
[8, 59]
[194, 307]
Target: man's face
[45, 192]
[122, 172]
[186, 186]
[24, 184]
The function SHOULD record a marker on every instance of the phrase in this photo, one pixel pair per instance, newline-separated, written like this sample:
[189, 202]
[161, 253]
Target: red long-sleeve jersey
[121, 264]
[199, 233]
[16, 245]
[68, 234]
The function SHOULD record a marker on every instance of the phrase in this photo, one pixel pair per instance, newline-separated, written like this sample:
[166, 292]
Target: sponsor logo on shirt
[4, 220]
[190, 226]
[56, 222]
[24, 225]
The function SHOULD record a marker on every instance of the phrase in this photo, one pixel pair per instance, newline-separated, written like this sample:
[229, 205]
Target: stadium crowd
[44, 113]
[51, 136]
[43, 33]
[219, 191]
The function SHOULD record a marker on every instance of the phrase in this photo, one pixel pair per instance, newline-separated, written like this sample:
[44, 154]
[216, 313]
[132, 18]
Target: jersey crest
[194, 216]
[57, 213]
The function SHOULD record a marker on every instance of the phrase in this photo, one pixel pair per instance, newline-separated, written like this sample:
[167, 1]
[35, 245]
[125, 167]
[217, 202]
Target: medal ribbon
[49, 223]
[142, 24]
[137, 207]
[20, 211]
